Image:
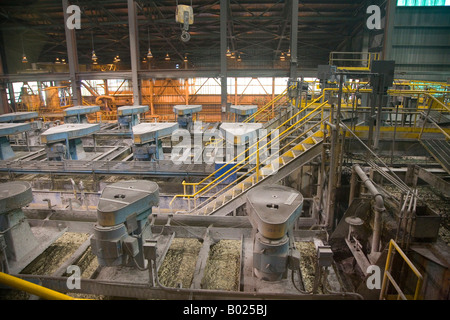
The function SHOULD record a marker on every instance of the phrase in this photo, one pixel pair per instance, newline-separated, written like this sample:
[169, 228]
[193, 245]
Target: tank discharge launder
[272, 211]
[121, 225]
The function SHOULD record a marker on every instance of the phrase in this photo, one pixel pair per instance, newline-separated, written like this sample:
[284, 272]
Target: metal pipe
[378, 207]
[32, 288]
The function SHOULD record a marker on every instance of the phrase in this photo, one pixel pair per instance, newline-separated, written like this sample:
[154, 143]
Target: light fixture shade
[228, 52]
[233, 56]
[282, 57]
[117, 58]
[167, 58]
[94, 56]
[24, 59]
[239, 58]
[185, 58]
[57, 61]
[289, 52]
[149, 54]
[144, 60]
[63, 61]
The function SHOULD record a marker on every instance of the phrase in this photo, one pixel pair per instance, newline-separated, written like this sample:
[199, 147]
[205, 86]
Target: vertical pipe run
[134, 50]
[72, 57]
[223, 56]
[378, 207]
[294, 37]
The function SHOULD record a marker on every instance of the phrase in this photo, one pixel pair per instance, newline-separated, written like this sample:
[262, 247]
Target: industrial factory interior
[225, 150]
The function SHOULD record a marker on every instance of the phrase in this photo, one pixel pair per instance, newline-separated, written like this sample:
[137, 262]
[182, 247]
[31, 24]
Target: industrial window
[422, 3]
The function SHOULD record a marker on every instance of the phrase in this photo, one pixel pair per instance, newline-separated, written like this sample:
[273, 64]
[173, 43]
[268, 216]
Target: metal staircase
[230, 198]
[299, 142]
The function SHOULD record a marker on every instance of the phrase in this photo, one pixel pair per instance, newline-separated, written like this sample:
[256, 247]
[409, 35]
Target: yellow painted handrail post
[257, 161]
[32, 288]
[387, 272]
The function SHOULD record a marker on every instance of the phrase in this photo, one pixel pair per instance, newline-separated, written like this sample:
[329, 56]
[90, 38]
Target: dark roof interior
[257, 30]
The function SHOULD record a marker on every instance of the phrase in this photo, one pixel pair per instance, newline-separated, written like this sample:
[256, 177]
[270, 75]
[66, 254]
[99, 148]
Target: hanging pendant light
[144, 60]
[228, 52]
[185, 58]
[24, 57]
[149, 53]
[282, 57]
[289, 52]
[167, 57]
[57, 61]
[239, 58]
[94, 56]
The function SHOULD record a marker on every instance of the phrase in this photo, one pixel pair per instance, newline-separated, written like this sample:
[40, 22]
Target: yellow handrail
[387, 273]
[253, 116]
[32, 288]
[256, 168]
[276, 99]
[221, 177]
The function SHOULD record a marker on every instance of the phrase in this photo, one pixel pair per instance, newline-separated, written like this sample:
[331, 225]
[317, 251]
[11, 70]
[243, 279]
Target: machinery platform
[236, 133]
[68, 131]
[18, 116]
[78, 114]
[131, 110]
[186, 109]
[245, 110]
[147, 132]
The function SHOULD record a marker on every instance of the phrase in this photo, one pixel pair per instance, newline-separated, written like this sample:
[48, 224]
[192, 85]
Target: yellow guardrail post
[388, 276]
[32, 288]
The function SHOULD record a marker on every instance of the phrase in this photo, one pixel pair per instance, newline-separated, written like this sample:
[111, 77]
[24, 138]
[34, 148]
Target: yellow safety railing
[393, 247]
[210, 185]
[257, 113]
[32, 288]
[365, 63]
[267, 105]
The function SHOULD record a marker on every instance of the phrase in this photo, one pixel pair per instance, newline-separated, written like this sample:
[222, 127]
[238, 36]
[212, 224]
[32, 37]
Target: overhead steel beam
[134, 50]
[72, 56]
[223, 56]
[294, 41]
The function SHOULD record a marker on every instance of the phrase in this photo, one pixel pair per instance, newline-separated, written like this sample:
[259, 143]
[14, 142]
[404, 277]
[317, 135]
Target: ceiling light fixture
[94, 56]
[24, 57]
[167, 57]
[149, 52]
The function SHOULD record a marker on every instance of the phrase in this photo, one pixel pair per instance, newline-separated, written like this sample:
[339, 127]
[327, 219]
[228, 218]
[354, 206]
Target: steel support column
[294, 37]
[134, 50]
[389, 29]
[223, 56]
[72, 56]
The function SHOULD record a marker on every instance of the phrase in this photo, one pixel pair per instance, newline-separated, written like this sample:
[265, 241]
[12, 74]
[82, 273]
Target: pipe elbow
[379, 203]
